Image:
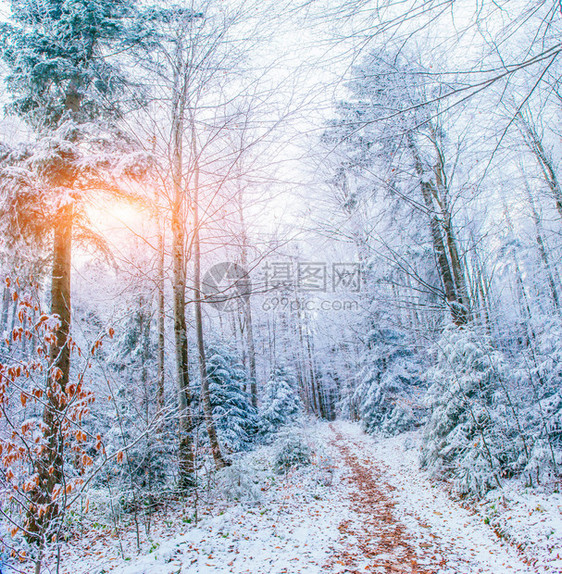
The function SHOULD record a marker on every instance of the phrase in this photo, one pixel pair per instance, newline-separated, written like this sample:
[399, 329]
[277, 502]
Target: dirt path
[379, 541]
[391, 528]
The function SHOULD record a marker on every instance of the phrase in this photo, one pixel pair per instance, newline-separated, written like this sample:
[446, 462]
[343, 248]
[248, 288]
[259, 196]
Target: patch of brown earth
[376, 541]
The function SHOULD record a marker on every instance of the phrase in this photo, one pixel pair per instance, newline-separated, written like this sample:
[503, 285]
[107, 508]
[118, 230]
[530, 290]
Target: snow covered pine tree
[281, 403]
[235, 417]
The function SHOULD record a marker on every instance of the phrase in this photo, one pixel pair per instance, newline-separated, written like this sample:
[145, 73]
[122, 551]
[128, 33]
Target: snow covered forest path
[400, 522]
[363, 506]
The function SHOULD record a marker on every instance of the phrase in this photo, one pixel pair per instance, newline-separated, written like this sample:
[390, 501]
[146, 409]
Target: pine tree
[389, 394]
[281, 402]
[470, 437]
[235, 417]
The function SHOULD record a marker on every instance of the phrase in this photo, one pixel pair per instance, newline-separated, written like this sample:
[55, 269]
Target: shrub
[240, 482]
[291, 452]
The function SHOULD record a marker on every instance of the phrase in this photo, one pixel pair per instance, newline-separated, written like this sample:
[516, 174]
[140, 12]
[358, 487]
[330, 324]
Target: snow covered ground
[264, 522]
[458, 539]
[362, 506]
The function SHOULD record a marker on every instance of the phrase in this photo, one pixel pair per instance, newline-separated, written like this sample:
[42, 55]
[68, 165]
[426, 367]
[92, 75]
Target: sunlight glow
[118, 213]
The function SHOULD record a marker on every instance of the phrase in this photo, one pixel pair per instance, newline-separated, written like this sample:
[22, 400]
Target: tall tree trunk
[482, 296]
[50, 468]
[185, 446]
[541, 246]
[161, 325]
[185, 450]
[220, 462]
[304, 387]
[251, 353]
[205, 394]
[144, 338]
[435, 228]
[456, 265]
[247, 310]
[314, 381]
[271, 339]
[238, 330]
[523, 298]
[144, 327]
[534, 142]
[441, 255]
[440, 195]
[308, 383]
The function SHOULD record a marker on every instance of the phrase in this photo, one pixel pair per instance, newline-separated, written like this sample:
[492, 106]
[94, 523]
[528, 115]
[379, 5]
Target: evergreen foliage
[469, 437]
[66, 87]
[291, 452]
[389, 394]
[281, 404]
[235, 417]
[55, 51]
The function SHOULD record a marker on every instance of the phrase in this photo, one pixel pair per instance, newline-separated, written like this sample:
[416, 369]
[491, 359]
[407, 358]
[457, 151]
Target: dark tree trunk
[50, 467]
[456, 265]
[186, 455]
[205, 395]
[161, 325]
[186, 458]
[185, 444]
[185, 427]
[457, 308]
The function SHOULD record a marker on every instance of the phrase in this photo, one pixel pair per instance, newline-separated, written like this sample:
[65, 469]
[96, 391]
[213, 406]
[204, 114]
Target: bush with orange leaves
[46, 454]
